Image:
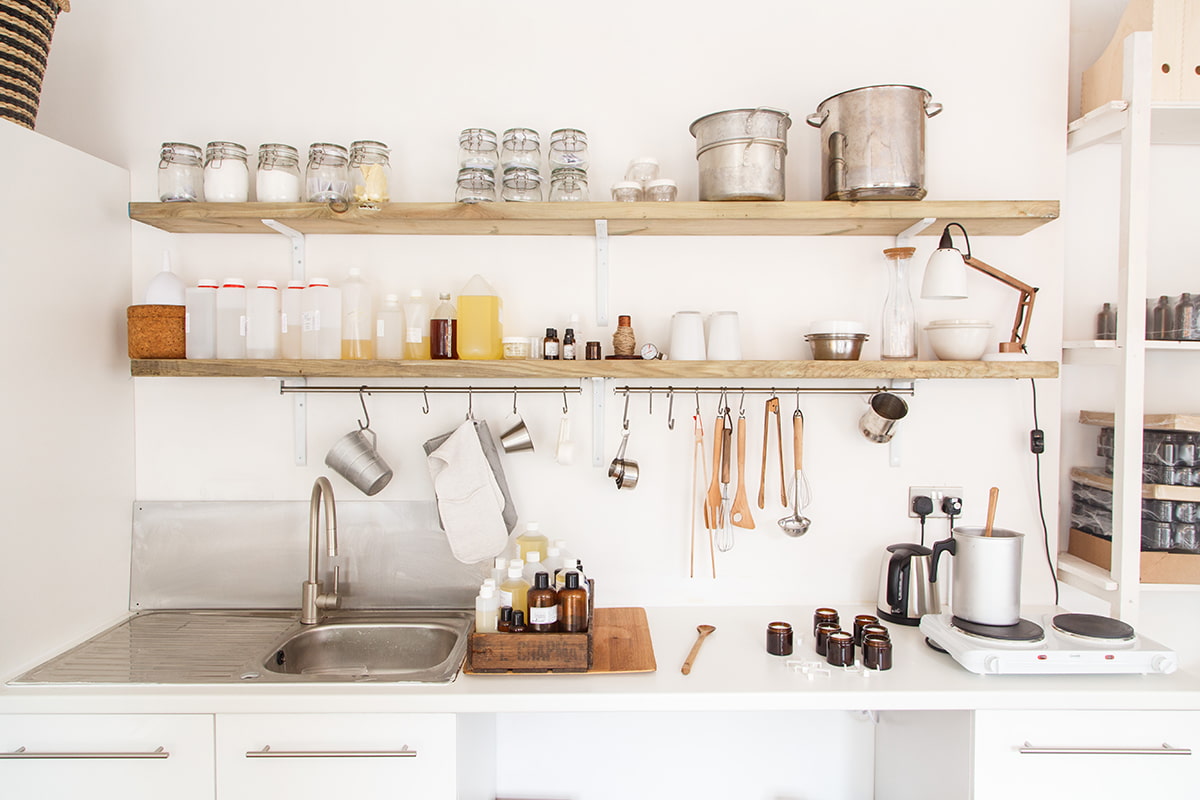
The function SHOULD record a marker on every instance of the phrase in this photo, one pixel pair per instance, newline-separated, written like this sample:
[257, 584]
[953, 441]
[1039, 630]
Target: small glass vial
[550, 345]
[568, 148]
[477, 148]
[627, 192]
[521, 147]
[522, 185]
[662, 190]
[568, 185]
[277, 179]
[226, 174]
[370, 170]
[180, 173]
[475, 185]
[327, 179]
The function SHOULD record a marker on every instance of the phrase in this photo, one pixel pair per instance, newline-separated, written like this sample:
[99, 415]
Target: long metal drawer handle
[1165, 750]
[267, 752]
[21, 752]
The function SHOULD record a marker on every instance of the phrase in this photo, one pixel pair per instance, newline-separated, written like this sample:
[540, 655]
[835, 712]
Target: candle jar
[825, 615]
[860, 622]
[823, 632]
[662, 190]
[226, 174]
[522, 185]
[876, 629]
[840, 649]
[477, 148]
[627, 191]
[370, 171]
[779, 639]
[277, 179]
[475, 185]
[180, 173]
[521, 147]
[877, 652]
[568, 185]
[899, 340]
[568, 148]
[327, 179]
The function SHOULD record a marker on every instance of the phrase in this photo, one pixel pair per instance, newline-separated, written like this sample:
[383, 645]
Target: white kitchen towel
[469, 500]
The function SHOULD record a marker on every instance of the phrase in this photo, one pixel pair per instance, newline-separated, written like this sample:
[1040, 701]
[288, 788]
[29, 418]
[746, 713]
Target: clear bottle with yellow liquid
[479, 322]
[416, 327]
[358, 317]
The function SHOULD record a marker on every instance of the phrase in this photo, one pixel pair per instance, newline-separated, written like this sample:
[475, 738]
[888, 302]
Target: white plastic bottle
[358, 317]
[389, 329]
[231, 319]
[262, 321]
[321, 320]
[487, 610]
[533, 565]
[416, 327]
[531, 539]
[565, 562]
[499, 570]
[200, 319]
[291, 305]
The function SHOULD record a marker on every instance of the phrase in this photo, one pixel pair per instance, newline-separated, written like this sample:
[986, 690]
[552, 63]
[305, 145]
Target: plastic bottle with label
[479, 321]
[290, 324]
[200, 319]
[321, 320]
[389, 329]
[358, 317]
[487, 610]
[231, 319]
[531, 539]
[416, 327]
[262, 321]
[443, 329]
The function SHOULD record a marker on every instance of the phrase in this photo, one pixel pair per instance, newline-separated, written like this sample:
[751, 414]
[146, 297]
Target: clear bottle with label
[358, 317]
[572, 605]
[530, 540]
[443, 329]
[487, 610]
[180, 173]
[416, 327]
[200, 319]
[370, 170]
[480, 332]
[321, 320]
[226, 174]
[543, 605]
[231, 319]
[514, 591]
[290, 319]
[389, 329]
[262, 321]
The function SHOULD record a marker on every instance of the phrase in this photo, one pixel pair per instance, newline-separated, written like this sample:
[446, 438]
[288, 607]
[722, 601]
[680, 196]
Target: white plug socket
[934, 493]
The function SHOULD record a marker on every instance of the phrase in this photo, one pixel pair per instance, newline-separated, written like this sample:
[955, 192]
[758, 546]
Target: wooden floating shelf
[632, 369]
[1150, 491]
[806, 218]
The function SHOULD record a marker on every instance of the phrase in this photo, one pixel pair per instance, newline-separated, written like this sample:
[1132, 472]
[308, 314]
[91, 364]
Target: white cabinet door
[1092, 754]
[106, 757]
[363, 756]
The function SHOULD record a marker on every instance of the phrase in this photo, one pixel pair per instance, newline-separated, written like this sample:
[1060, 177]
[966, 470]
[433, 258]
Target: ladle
[794, 524]
[704, 631]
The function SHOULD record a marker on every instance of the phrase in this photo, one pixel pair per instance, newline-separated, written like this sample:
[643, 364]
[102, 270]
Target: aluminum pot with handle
[741, 153]
[987, 574]
[873, 142]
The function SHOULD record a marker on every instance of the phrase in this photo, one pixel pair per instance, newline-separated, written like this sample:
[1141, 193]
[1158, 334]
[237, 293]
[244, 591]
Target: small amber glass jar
[779, 639]
[824, 631]
[840, 649]
[877, 652]
[825, 615]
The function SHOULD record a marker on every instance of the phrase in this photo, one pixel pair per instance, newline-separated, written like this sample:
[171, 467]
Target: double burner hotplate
[1061, 644]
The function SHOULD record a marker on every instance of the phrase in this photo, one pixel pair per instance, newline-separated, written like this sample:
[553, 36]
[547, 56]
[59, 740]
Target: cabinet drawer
[347, 755]
[119, 756]
[1094, 754]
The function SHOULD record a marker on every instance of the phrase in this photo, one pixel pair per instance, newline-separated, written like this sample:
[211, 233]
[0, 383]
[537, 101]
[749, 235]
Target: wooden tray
[620, 640]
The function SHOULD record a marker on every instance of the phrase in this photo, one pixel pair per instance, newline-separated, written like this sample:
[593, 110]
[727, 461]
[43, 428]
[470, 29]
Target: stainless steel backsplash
[255, 555]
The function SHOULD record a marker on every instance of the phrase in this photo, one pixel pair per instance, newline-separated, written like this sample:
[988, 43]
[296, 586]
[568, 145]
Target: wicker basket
[26, 27]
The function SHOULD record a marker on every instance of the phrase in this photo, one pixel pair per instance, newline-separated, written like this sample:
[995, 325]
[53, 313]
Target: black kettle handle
[945, 545]
[897, 581]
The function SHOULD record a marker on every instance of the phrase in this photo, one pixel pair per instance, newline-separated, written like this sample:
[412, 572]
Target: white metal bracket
[297, 240]
[299, 422]
[905, 237]
[599, 388]
[601, 272]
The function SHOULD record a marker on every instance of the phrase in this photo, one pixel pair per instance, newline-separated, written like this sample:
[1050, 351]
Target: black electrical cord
[922, 516]
[1041, 503]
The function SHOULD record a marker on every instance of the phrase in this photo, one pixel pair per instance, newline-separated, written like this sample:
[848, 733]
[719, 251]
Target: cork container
[156, 331]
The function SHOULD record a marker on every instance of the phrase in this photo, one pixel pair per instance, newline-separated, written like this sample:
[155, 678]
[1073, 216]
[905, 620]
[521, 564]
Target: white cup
[724, 337]
[687, 336]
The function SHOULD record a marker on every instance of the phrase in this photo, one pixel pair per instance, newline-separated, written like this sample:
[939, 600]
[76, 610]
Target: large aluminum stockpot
[741, 153]
[873, 142]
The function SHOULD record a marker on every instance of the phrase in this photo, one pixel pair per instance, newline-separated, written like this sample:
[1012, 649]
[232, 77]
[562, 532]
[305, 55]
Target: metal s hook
[670, 408]
[425, 395]
[625, 414]
[514, 401]
[565, 401]
[742, 404]
[470, 402]
[650, 401]
[362, 391]
[697, 402]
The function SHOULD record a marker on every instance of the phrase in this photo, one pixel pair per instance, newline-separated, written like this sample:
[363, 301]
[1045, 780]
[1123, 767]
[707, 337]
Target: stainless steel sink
[394, 646]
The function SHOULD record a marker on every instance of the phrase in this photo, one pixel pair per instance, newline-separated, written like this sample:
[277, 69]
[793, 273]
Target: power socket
[934, 493]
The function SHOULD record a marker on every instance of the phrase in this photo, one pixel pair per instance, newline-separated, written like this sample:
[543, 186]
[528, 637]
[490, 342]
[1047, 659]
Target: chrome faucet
[313, 600]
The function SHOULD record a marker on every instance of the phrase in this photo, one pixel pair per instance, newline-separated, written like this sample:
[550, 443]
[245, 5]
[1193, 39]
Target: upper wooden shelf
[625, 368]
[1171, 122]
[812, 218]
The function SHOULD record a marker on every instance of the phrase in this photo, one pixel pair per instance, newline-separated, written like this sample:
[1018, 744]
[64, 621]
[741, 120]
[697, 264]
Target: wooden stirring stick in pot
[993, 498]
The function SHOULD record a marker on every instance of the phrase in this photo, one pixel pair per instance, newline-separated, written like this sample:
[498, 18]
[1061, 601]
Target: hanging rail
[782, 391]
[284, 389]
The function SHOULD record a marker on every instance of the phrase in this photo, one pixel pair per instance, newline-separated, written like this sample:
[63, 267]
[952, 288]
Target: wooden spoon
[704, 631]
[712, 501]
[993, 497]
[740, 511]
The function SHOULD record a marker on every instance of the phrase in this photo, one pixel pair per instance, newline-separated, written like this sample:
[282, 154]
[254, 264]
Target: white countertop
[732, 673]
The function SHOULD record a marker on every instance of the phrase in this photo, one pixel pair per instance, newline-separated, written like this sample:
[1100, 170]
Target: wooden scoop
[704, 631]
[739, 513]
[993, 498]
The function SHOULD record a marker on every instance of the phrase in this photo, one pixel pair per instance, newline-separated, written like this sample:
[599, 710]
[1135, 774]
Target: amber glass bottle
[572, 606]
[543, 605]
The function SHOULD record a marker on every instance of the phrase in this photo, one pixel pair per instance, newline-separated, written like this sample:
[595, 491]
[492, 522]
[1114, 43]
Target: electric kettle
[906, 589]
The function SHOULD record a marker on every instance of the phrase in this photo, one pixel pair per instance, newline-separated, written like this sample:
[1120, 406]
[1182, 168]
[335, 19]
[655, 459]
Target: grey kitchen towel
[493, 456]
[469, 500]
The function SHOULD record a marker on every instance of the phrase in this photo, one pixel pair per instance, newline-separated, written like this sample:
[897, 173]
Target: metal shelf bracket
[299, 421]
[297, 240]
[905, 237]
[601, 272]
[598, 391]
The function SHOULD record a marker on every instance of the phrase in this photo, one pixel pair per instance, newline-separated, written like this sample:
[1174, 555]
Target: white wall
[127, 76]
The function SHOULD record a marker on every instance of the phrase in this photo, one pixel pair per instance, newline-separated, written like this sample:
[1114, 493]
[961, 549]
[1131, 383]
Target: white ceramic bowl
[959, 339]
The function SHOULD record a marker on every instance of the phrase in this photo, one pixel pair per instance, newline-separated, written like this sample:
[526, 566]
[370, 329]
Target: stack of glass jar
[518, 154]
[1174, 318]
[643, 183]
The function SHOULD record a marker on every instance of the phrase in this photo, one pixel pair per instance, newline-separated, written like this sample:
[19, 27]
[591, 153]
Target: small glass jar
[180, 173]
[327, 179]
[662, 190]
[475, 185]
[370, 171]
[876, 629]
[477, 148]
[521, 147]
[643, 170]
[277, 179]
[779, 639]
[515, 348]
[592, 351]
[568, 148]
[568, 185]
[840, 649]
[821, 638]
[861, 621]
[825, 615]
[877, 652]
[522, 185]
[226, 173]
[627, 191]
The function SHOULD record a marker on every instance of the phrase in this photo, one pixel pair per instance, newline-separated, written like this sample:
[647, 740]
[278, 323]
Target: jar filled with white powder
[277, 179]
[226, 174]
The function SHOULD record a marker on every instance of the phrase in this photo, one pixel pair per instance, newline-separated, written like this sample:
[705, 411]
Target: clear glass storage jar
[627, 191]
[370, 170]
[477, 147]
[277, 179]
[522, 185]
[226, 173]
[180, 173]
[475, 185]
[568, 148]
[568, 185]
[662, 190]
[327, 179]
[521, 147]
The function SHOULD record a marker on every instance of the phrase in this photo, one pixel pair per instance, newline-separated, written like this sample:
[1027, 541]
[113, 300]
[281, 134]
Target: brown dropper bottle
[572, 606]
[543, 605]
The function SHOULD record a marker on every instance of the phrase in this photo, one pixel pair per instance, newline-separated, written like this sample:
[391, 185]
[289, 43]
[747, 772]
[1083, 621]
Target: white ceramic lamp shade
[945, 276]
